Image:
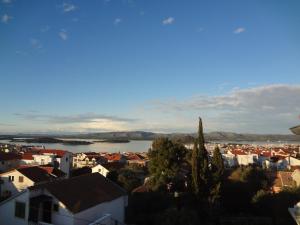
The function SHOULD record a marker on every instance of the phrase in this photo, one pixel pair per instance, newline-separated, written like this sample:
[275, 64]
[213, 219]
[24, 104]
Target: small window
[11, 178]
[55, 207]
[20, 209]
[99, 170]
[67, 159]
[21, 179]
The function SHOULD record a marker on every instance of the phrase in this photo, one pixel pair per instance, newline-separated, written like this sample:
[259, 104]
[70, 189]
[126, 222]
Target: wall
[103, 171]
[116, 208]
[7, 210]
[63, 216]
[9, 164]
[65, 163]
[47, 159]
[14, 186]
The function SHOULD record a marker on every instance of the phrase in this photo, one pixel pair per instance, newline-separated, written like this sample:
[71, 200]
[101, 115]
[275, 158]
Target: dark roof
[35, 173]
[113, 165]
[83, 192]
[54, 171]
[8, 156]
[296, 130]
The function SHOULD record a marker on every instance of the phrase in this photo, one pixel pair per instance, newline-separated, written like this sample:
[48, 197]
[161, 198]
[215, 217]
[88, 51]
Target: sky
[118, 65]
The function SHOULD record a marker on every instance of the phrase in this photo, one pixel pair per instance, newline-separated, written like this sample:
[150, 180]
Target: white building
[100, 169]
[17, 180]
[58, 158]
[8, 161]
[87, 199]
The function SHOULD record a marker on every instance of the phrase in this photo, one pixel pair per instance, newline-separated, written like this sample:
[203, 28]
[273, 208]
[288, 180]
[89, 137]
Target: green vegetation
[166, 159]
[192, 187]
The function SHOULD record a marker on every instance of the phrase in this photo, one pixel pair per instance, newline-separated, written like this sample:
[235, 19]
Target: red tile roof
[59, 153]
[27, 156]
[114, 157]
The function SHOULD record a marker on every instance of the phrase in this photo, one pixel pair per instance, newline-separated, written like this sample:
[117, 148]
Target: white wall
[100, 169]
[44, 159]
[14, 186]
[116, 208]
[7, 210]
[245, 160]
[65, 163]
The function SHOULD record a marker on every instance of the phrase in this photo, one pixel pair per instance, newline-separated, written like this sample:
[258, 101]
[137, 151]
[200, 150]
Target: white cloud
[6, 18]
[239, 30]
[68, 7]
[35, 43]
[7, 1]
[168, 21]
[264, 109]
[117, 21]
[63, 35]
[45, 29]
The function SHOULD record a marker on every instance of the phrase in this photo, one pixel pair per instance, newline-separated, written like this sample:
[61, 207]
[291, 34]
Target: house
[229, 160]
[134, 158]
[115, 157]
[100, 169]
[9, 161]
[88, 159]
[58, 158]
[243, 158]
[16, 180]
[87, 199]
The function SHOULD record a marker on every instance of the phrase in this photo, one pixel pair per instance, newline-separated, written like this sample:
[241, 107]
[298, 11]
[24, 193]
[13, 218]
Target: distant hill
[188, 137]
[185, 137]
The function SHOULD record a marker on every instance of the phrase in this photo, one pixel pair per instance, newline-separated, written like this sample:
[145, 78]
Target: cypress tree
[200, 169]
[217, 165]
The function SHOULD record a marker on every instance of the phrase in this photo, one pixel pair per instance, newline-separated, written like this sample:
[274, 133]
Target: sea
[132, 146]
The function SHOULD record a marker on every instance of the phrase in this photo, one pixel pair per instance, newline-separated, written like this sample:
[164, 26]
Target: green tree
[200, 169]
[217, 165]
[165, 159]
[128, 179]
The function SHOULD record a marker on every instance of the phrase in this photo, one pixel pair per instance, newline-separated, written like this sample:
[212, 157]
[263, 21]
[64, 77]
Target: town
[50, 186]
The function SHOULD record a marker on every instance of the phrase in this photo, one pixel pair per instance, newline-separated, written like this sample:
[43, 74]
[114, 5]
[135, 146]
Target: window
[11, 178]
[2, 162]
[42, 161]
[99, 170]
[21, 179]
[67, 159]
[20, 210]
[55, 207]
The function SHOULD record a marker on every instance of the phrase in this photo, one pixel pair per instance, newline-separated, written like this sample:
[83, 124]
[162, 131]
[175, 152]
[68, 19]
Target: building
[87, 199]
[17, 180]
[100, 169]
[89, 159]
[58, 158]
[9, 161]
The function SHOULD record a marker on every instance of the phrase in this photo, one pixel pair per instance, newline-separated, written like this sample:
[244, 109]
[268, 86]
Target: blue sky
[103, 65]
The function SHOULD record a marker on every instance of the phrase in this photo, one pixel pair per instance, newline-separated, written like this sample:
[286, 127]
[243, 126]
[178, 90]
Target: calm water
[132, 146]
